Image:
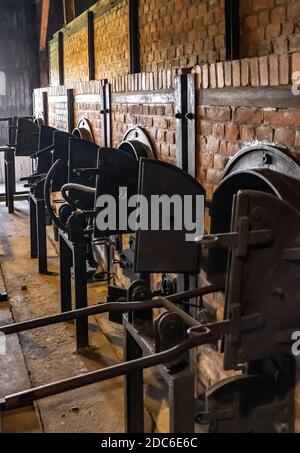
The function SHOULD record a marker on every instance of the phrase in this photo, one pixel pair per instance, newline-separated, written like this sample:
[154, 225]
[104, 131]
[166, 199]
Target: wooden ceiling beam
[45, 9]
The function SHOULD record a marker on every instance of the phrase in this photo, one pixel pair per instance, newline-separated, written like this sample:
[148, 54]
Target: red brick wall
[157, 119]
[53, 63]
[269, 26]
[112, 42]
[180, 33]
[58, 108]
[223, 130]
[176, 34]
[76, 56]
[90, 111]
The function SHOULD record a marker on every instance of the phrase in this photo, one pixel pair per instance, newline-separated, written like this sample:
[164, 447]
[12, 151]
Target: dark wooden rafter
[135, 65]
[232, 27]
[45, 10]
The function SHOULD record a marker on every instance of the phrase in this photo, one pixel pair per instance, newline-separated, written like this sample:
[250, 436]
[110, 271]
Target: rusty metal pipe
[77, 314]
[26, 398]
[110, 308]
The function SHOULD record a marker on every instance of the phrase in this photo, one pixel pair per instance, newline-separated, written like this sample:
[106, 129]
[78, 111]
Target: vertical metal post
[6, 180]
[103, 116]
[191, 123]
[91, 45]
[135, 65]
[134, 388]
[70, 101]
[108, 113]
[185, 96]
[33, 228]
[65, 257]
[10, 182]
[41, 235]
[182, 402]
[61, 58]
[45, 108]
[181, 87]
[80, 278]
[232, 29]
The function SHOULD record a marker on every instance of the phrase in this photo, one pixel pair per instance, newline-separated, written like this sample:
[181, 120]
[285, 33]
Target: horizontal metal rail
[197, 335]
[110, 308]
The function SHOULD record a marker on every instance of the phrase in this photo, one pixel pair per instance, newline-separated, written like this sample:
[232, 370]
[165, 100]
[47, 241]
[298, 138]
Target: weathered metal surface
[251, 404]
[263, 180]
[258, 324]
[27, 138]
[181, 90]
[259, 167]
[264, 156]
[264, 97]
[191, 121]
[166, 251]
[273, 276]
[60, 152]
[82, 154]
[144, 97]
[137, 141]
[84, 131]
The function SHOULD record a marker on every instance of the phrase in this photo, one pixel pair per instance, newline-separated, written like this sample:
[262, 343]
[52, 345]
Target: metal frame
[106, 126]
[185, 100]
[172, 344]
[38, 218]
[9, 165]
[73, 254]
[280, 97]
[38, 232]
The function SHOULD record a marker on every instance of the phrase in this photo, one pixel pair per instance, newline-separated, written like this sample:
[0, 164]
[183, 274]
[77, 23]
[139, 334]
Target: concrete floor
[46, 355]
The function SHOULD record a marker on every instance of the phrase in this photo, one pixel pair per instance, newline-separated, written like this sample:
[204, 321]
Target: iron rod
[110, 308]
[26, 398]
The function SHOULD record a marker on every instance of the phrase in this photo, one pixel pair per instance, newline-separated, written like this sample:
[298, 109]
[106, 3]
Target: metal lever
[228, 240]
